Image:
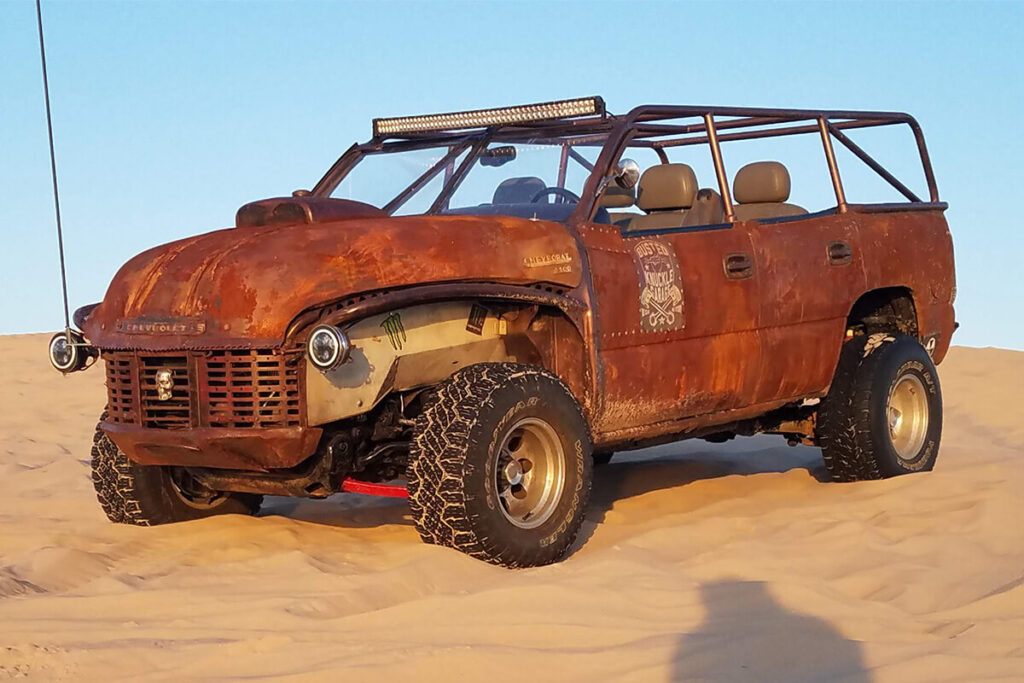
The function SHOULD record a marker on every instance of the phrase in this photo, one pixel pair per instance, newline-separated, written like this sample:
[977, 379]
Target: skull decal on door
[661, 292]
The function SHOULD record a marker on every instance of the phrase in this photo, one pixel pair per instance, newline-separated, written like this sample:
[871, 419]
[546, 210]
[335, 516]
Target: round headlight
[67, 357]
[328, 347]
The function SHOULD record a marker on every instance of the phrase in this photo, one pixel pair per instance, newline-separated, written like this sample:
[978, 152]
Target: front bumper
[237, 449]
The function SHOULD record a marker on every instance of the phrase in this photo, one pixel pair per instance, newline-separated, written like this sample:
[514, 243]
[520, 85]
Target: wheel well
[890, 309]
[545, 336]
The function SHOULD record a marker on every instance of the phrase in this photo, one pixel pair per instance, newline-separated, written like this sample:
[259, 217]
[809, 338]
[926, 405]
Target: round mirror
[627, 175]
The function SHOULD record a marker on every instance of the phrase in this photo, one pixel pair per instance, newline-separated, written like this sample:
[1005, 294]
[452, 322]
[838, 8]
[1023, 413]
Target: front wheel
[500, 465]
[883, 414]
[146, 495]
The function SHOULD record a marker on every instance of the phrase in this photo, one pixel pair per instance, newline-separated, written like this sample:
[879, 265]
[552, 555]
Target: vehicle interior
[669, 197]
[528, 197]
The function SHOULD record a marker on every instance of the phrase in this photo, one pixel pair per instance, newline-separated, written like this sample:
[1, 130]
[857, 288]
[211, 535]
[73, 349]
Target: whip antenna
[53, 173]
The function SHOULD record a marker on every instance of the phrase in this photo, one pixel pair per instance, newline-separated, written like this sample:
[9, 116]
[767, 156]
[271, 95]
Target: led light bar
[481, 118]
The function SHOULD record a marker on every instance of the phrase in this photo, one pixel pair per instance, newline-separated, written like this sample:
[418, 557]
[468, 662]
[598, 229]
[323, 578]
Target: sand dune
[702, 562]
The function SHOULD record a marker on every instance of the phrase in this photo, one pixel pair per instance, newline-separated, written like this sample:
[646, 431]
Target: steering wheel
[558, 192]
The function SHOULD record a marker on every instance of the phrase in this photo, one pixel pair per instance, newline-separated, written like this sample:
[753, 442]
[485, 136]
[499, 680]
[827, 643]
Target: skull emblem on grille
[164, 384]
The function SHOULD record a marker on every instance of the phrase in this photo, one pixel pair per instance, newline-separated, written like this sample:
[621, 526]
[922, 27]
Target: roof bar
[483, 118]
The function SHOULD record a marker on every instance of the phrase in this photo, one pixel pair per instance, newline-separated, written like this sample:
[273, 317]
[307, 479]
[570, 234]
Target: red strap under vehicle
[388, 490]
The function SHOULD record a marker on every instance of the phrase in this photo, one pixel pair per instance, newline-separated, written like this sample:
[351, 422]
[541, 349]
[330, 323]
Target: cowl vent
[298, 210]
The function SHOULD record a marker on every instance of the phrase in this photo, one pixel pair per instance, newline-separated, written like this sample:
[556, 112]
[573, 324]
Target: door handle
[839, 253]
[738, 266]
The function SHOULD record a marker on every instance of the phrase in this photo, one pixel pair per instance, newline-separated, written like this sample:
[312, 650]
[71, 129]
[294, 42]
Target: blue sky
[170, 115]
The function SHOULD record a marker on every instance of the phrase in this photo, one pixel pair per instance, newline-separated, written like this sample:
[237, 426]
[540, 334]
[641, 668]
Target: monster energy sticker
[396, 331]
[661, 292]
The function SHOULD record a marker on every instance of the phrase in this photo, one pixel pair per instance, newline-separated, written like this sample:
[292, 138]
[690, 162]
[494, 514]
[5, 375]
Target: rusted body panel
[242, 287]
[742, 346]
[753, 343]
[915, 250]
[243, 449]
[686, 365]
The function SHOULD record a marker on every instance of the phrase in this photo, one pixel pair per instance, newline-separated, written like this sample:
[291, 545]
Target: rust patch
[249, 284]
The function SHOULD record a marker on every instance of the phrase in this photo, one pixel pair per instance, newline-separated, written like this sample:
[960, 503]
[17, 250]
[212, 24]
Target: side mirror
[497, 156]
[627, 174]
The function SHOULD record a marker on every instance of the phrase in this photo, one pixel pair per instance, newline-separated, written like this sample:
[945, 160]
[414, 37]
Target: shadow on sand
[678, 464]
[348, 510]
[748, 636]
[630, 474]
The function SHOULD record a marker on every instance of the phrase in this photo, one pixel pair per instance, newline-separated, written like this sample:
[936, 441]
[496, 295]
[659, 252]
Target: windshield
[532, 178]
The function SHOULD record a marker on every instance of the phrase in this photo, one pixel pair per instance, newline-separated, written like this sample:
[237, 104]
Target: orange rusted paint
[747, 345]
[761, 341]
[243, 449]
[243, 286]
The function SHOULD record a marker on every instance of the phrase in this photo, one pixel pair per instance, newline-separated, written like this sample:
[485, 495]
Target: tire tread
[439, 459]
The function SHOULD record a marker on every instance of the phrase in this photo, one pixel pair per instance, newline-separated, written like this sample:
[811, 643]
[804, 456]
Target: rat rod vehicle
[453, 306]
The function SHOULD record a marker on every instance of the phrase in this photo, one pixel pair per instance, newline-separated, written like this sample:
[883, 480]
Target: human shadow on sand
[748, 636]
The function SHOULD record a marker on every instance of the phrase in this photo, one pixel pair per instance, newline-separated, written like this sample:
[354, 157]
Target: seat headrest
[615, 197]
[761, 181]
[518, 191]
[667, 187]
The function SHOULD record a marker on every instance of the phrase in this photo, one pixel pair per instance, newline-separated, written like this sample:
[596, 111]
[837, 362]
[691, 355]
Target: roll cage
[654, 127]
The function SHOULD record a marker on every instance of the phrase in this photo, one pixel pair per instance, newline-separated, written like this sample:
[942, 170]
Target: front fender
[404, 349]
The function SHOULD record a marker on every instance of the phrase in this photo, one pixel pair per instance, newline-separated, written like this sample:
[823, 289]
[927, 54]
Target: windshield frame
[564, 135]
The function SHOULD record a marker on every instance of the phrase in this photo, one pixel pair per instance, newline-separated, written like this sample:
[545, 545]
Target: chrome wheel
[907, 416]
[530, 472]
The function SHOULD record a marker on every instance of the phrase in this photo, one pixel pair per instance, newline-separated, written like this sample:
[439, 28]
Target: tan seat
[666, 192]
[761, 190]
[708, 209]
[615, 197]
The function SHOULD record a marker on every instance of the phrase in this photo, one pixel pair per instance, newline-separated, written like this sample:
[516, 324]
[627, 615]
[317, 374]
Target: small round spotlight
[328, 347]
[67, 357]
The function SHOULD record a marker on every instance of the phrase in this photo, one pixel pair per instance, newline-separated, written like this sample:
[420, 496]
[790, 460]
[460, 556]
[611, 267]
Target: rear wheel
[145, 495]
[500, 465]
[883, 414]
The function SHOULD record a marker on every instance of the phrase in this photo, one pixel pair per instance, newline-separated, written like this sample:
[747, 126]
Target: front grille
[249, 389]
[237, 389]
[122, 395]
[174, 412]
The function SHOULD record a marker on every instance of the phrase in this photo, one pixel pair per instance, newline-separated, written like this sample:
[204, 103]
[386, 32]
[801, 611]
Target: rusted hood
[242, 287]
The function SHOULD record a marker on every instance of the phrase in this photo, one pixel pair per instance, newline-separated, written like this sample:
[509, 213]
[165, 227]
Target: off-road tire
[456, 438]
[145, 495]
[852, 423]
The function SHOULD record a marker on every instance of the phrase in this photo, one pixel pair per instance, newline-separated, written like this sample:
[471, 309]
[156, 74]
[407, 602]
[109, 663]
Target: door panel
[812, 271]
[677, 334]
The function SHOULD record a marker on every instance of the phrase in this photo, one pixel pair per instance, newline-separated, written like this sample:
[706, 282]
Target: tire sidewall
[903, 356]
[537, 396]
